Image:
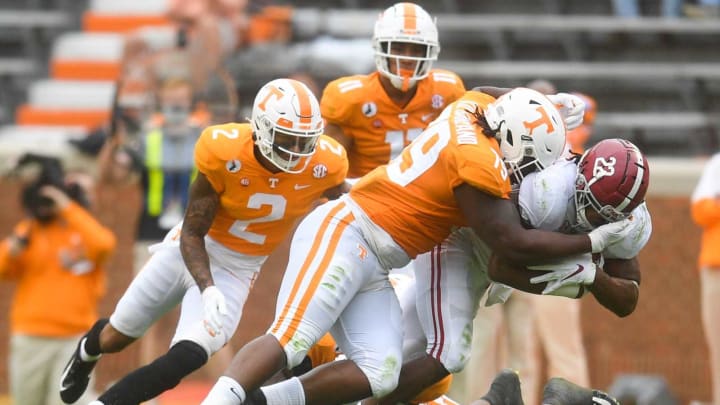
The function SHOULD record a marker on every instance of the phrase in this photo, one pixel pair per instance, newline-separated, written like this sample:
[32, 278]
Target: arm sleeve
[98, 240]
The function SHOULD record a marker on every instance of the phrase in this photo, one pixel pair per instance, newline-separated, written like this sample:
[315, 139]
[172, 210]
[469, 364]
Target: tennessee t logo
[543, 120]
[274, 91]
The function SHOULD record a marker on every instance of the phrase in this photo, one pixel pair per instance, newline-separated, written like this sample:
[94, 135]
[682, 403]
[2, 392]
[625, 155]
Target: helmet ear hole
[509, 137]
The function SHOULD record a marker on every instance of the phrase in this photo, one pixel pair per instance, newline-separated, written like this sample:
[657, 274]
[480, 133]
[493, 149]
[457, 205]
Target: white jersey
[546, 202]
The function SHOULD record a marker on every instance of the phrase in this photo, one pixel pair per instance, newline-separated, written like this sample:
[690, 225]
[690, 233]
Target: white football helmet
[529, 128]
[286, 123]
[399, 24]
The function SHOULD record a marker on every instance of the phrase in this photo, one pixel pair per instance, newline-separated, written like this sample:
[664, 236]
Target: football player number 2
[417, 158]
[257, 201]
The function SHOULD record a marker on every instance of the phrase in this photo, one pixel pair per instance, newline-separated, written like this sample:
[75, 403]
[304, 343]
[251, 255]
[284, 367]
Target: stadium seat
[67, 103]
[124, 16]
[87, 56]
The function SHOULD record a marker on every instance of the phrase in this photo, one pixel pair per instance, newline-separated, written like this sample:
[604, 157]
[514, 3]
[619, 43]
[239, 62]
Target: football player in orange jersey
[375, 116]
[452, 175]
[255, 180]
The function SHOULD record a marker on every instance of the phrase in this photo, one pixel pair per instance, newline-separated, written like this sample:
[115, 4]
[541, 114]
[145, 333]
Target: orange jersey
[258, 208]
[60, 274]
[380, 129]
[412, 197]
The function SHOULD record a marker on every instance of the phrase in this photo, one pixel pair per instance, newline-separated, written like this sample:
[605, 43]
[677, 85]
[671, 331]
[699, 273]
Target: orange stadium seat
[67, 103]
[125, 15]
[94, 22]
[87, 56]
[89, 119]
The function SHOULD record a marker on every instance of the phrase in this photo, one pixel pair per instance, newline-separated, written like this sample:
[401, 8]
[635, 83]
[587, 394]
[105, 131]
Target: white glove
[572, 108]
[578, 270]
[608, 234]
[214, 309]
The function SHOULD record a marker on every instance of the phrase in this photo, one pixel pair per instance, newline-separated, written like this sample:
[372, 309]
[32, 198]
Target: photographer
[56, 256]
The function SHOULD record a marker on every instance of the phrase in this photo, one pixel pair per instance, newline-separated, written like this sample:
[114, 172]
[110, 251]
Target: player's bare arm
[617, 286]
[202, 206]
[497, 222]
[334, 131]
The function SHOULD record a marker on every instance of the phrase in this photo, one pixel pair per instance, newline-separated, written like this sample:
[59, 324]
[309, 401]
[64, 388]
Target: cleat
[76, 376]
[505, 389]
[559, 391]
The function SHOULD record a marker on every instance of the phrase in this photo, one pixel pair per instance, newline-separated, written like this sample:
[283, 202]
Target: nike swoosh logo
[236, 393]
[301, 186]
[579, 270]
[427, 117]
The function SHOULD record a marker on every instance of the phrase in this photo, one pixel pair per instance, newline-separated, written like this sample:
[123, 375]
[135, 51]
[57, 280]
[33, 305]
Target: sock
[226, 391]
[157, 377]
[91, 347]
[288, 392]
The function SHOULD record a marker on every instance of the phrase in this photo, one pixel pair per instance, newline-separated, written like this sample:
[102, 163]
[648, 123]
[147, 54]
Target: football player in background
[375, 116]
[451, 175]
[255, 180]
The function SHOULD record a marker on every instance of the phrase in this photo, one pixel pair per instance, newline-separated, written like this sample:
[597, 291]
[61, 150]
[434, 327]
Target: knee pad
[382, 374]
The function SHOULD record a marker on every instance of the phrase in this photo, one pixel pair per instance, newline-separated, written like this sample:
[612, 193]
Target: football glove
[574, 271]
[608, 234]
[214, 308]
[571, 107]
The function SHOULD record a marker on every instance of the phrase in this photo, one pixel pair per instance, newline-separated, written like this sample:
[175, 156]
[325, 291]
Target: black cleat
[559, 391]
[505, 389]
[75, 377]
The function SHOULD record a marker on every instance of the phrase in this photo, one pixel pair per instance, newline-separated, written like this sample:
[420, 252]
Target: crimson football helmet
[405, 23]
[612, 179]
[530, 130]
[286, 124]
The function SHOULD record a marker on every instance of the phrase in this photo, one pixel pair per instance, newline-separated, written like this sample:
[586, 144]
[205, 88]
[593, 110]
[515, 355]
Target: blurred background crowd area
[76, 76]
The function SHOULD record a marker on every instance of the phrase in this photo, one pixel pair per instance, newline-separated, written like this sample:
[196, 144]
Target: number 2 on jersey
[257, 201]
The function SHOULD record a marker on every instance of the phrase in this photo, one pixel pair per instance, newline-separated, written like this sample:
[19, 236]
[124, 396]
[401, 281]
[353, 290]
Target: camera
[49, 171]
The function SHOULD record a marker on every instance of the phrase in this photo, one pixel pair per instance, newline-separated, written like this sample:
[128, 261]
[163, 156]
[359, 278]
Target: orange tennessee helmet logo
[543, 120]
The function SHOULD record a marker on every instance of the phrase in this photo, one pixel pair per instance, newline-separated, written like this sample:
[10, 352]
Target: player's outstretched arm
[497, 222]
[615, 285]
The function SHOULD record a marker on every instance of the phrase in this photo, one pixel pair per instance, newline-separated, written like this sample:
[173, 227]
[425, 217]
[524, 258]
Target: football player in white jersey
[612, 179]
